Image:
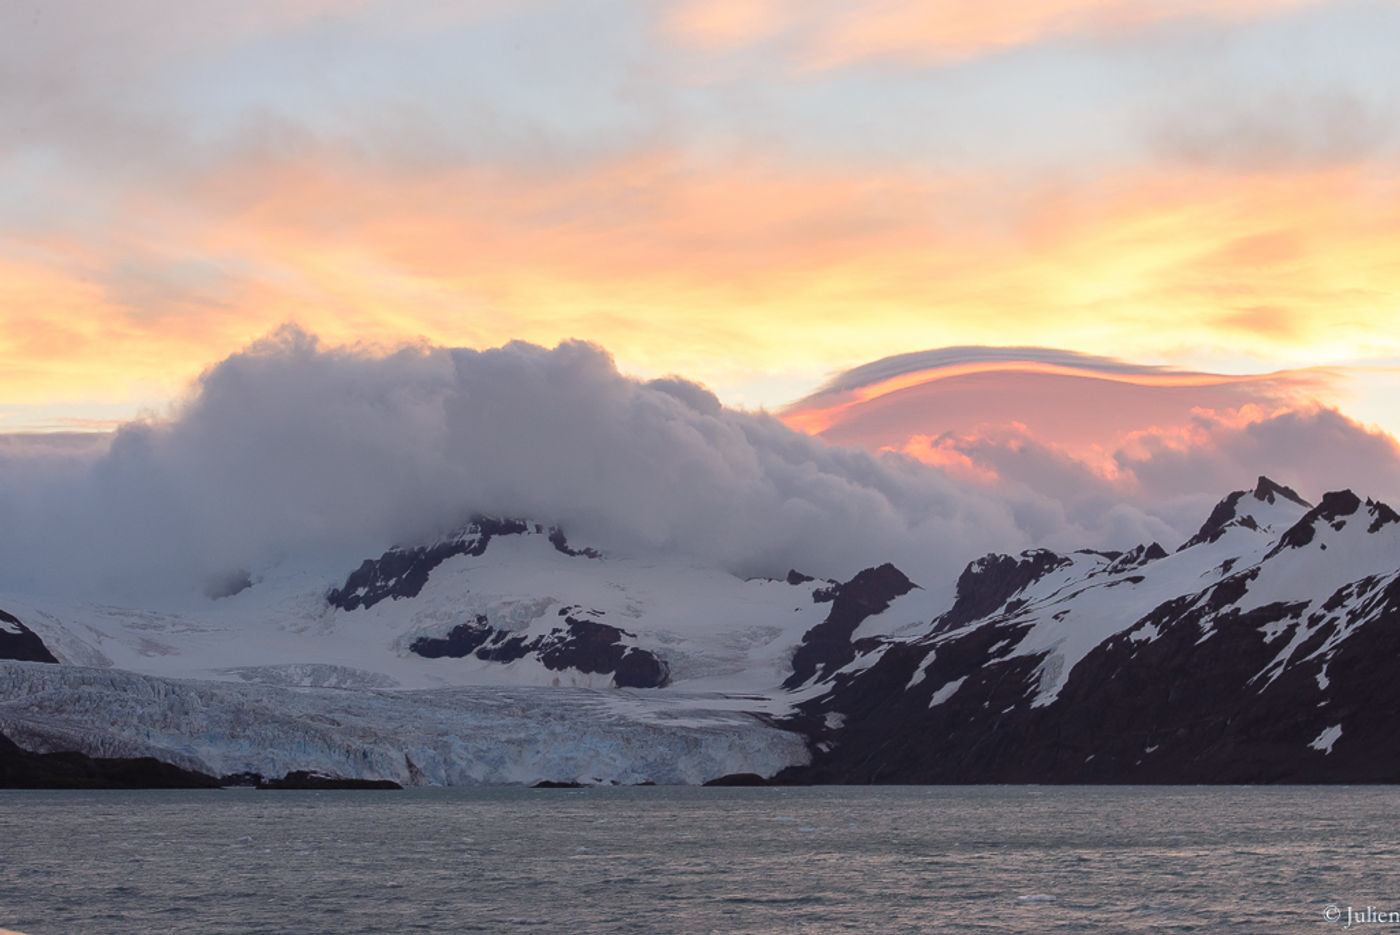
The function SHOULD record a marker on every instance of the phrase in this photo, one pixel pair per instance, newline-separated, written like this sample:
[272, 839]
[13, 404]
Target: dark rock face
[586, 645]
[462, 640]
[1214, 526]
[1381, 516]
[503, 647]
[402, 573]
[1267, 491]
[20, 643]
[1170, 709]
[597, 647]
[304, 779]
[738, 779]
[987, 584]
[827, 646]
[639, 668]
[1333, 510]
[20, 769]
[561, 544]
[1335, 505]
[1136, 557]
[1202, 688]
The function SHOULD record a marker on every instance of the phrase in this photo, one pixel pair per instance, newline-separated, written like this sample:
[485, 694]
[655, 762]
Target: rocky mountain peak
[1381, 515]
[1336, 504]
[402, 572]
[1136, 557]
[1268, 491]
[1268, 507]
[991, 580]
[827, 646]
[1335, 508]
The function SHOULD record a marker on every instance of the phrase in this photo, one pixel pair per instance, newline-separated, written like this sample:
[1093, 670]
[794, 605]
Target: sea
[688, 860]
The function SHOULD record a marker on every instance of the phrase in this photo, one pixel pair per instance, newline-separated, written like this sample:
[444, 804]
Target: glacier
[449, 737]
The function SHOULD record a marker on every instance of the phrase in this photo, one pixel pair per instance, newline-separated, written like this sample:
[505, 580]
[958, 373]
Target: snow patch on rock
[1326, 739]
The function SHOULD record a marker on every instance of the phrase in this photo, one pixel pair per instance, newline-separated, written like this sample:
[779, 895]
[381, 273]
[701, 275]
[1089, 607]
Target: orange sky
[752, 195]
[924, 30]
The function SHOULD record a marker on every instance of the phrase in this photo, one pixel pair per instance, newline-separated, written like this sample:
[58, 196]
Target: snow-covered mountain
[499, 653]
[1258, 650]
[1261, 650]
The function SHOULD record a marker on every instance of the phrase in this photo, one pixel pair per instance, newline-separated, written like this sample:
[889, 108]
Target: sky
[756, 195]
[1085, 264]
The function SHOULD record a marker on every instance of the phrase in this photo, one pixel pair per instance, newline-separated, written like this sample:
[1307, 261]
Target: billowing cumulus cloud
[1173, 474]
[295, 452]
[1314, 447]
[292, 450]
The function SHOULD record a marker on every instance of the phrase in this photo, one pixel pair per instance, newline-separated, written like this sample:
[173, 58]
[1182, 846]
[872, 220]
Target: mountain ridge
[1228, 682]
[1221, 661]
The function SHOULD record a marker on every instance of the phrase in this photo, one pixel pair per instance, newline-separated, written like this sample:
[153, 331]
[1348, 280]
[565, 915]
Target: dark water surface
[691, 860]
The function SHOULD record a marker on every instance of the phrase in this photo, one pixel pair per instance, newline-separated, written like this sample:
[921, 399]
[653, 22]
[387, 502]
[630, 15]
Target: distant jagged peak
[1270, 506]
[1381, 515]
[987, 583]
[1268, 491]
[480, 529]
[1214, 526]
[481, 526]
[402, 571]
[1335, 510]
[1340, 511]
[1335, 505]
[1136, 557]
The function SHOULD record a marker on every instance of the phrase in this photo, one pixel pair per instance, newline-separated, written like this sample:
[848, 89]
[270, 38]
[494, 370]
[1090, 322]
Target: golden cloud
[922, 32]
[719, 272]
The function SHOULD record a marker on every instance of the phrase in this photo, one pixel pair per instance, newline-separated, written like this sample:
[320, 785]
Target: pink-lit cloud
[1091, 433]
[1080, 401]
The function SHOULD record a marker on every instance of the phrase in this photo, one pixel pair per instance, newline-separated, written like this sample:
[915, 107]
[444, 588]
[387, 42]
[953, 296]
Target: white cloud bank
[294, 451]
